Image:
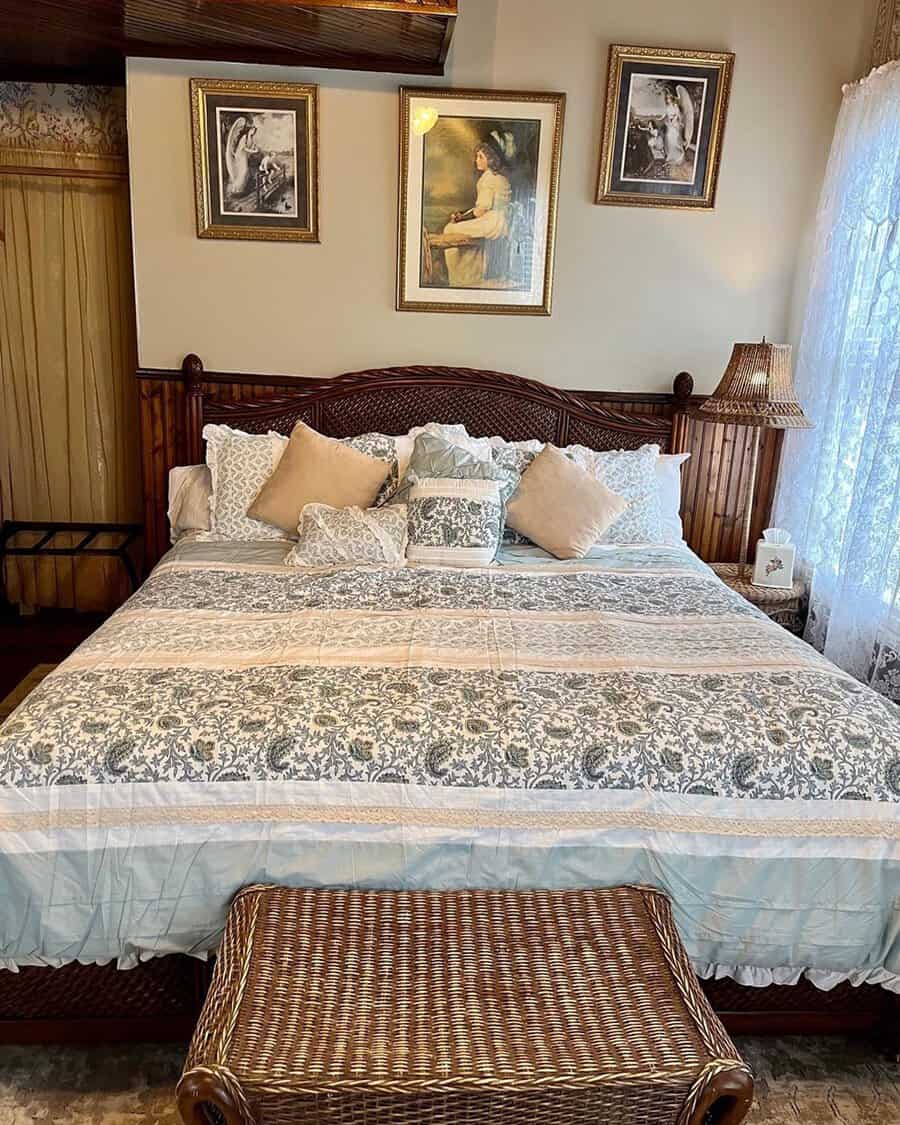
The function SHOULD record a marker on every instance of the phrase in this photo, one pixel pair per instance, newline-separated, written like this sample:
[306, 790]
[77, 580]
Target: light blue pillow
[434, 457]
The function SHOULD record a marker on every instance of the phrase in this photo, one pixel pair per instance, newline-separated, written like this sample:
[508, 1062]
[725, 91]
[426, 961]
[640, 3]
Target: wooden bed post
[682, 389]
[192, 369]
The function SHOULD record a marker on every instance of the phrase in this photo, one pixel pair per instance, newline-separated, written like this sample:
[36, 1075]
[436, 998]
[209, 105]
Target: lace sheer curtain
[839, 491]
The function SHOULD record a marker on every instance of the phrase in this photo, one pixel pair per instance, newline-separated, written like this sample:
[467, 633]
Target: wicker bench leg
[211, 1096]
[722, 1098]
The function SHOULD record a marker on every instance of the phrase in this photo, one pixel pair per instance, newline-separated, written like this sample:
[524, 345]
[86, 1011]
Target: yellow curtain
[69, 447]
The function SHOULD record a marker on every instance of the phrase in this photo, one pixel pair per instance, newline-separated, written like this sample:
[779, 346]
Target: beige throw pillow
[317, 470]
[561, 507]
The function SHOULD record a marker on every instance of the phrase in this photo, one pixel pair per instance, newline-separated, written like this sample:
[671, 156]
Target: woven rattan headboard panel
[176, 405]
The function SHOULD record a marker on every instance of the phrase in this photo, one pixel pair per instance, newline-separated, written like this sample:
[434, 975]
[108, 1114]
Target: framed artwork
[256, 159]
[663, 125]
[479, 177]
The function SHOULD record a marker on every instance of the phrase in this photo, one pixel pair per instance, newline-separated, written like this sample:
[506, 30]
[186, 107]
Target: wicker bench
[458, 1008]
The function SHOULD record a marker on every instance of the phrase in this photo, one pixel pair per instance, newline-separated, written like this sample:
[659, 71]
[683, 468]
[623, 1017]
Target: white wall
[638, 294]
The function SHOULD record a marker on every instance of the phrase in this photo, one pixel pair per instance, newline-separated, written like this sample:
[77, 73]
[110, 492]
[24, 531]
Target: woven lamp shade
[757, 389]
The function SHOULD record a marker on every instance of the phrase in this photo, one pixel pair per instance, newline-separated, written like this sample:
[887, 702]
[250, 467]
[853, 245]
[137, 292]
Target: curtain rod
[71, 173]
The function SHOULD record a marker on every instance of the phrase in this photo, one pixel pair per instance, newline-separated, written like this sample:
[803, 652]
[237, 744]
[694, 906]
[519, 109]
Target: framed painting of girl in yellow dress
[479, 175]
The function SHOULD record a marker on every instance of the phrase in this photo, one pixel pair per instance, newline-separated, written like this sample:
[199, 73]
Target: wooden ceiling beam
[57, 40]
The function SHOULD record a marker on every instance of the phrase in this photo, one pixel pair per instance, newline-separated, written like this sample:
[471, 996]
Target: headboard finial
[192, 368]
[682, 388]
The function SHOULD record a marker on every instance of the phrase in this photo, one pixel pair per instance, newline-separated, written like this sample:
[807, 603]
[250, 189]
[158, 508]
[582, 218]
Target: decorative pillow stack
[317, 470]
[456, 501]
[448, 491]
[561, 507]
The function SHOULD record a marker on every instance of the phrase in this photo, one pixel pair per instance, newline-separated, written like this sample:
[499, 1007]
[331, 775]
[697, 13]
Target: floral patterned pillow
[454, 522]
[514, 457]
[239, 465]
[330, 536]
[631, 474]
[397, 450]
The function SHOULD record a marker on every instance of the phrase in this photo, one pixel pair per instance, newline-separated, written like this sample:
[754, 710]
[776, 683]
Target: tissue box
[774, 565]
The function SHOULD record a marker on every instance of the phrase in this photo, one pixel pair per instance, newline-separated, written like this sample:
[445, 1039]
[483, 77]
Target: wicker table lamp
[757, 390]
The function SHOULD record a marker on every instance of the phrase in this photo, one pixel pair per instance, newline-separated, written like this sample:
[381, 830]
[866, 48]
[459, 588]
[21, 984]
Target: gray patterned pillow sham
[329, 536]
[631, 474]
[239, 465]
[454, 522]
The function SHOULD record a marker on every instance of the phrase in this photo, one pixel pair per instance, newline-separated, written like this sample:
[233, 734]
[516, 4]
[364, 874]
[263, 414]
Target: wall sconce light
[424, 119]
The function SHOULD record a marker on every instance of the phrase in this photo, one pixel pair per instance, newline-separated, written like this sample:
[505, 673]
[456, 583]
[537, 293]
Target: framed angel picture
[255, 159]
[479, 172]
[663, 126]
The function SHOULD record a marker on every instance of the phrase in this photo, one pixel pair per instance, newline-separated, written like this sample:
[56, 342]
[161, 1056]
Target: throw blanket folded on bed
[624, 718]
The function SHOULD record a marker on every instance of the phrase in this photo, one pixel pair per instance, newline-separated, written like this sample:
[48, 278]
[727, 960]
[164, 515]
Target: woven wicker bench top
[330, 991]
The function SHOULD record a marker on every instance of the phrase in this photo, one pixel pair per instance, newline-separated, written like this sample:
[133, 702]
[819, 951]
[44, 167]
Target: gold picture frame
[663, 126]
[479, 187]
[256, 148]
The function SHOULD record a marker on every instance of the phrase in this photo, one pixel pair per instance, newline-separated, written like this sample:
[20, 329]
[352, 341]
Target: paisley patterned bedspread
[624, 718]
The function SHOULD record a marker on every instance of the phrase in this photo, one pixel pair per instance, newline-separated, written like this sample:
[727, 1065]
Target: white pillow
[190, 487]
[239, 465]
[327, 536]
[668, 479]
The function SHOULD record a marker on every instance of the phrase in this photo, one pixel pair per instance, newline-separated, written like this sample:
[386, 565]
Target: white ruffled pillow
[331, 536]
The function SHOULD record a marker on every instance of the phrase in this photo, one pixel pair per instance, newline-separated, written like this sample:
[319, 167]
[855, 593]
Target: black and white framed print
[663, 126]
[255, 159]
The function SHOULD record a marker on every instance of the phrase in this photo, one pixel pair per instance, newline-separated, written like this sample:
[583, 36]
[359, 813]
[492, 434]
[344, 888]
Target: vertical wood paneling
[715, 484]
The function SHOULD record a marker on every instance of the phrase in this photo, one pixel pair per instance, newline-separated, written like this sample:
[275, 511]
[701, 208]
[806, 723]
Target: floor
[41, 638]
[799, 1082]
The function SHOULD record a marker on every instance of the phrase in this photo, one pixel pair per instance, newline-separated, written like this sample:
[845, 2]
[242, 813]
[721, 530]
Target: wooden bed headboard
[175, 405]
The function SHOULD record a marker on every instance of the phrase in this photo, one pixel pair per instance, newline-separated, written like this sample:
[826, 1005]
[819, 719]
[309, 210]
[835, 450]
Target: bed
[621, 718]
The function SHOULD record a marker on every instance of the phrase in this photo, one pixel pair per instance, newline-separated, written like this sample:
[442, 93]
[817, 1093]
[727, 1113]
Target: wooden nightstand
[787, 607]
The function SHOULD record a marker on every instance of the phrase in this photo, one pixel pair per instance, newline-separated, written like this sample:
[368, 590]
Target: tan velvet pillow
[561, 507]
[317, 470]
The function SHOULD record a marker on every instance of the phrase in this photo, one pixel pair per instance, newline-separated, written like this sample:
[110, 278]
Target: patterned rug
[23, 688]
[798, 1082]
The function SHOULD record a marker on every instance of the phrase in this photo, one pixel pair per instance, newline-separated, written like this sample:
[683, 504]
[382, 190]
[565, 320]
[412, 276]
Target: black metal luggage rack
[83, 535]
